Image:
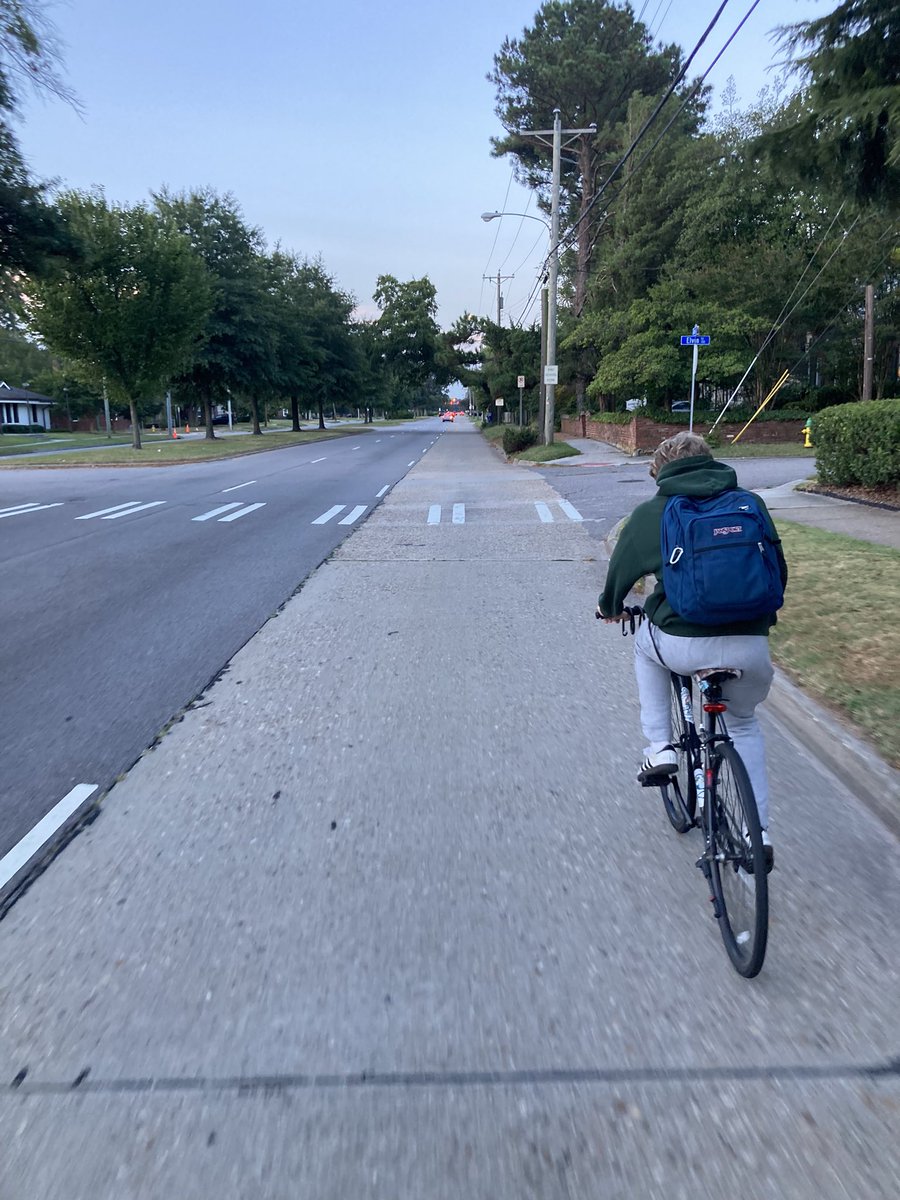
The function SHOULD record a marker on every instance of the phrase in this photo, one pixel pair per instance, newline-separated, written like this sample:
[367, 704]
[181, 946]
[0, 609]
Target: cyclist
[683, 465]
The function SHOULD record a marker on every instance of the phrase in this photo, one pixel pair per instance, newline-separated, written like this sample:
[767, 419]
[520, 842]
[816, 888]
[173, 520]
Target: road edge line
[39, 846]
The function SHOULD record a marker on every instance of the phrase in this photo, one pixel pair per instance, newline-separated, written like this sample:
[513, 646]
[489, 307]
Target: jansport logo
[726, 529]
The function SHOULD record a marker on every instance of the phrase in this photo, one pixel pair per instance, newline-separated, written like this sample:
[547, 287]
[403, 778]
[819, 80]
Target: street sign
[500, 402]
[551, 374]
[521, 381]
[695, 339]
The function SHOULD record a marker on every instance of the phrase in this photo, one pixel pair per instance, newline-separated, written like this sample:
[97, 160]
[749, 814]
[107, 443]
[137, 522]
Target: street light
[490, 216]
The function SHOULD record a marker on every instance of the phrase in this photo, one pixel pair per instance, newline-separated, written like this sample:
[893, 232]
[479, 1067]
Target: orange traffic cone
[187, 429]
[174, 433]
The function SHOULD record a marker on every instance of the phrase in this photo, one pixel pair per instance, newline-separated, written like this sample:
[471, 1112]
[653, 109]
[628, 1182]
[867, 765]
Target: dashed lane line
[332, 512]
[312, 461]
[22, 509]
[353, 515]
[215, 512]
[140, 508]
[236, 487]
[236, 516]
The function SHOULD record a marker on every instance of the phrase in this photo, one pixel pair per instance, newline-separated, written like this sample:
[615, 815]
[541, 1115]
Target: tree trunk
[321, 413]
[295, 413]
[254, 409]
[135, 427]
[207, 416]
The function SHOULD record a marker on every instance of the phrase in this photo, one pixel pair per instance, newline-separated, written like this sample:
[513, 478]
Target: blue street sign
[691, 339]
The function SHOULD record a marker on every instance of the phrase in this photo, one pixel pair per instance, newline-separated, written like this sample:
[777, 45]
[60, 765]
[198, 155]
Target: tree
[237, 352]
[587, 58]
[845, 128]
[409, 337]
[130, 309]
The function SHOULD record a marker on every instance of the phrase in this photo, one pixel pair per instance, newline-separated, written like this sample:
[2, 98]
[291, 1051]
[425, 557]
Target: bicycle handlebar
[632, 616]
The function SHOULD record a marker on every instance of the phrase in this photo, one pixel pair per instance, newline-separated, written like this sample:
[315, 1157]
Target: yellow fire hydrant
[807, 433]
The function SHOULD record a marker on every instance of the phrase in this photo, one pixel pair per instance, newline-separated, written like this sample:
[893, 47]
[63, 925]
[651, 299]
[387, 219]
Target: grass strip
[546, 453]
[172, 451]
[837, 636]
[764, 450]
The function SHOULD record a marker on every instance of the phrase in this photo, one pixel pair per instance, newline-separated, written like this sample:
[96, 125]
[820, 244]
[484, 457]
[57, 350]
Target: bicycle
[711, 790]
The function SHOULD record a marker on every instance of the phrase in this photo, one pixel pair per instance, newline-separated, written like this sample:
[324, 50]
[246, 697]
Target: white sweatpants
[657, 653]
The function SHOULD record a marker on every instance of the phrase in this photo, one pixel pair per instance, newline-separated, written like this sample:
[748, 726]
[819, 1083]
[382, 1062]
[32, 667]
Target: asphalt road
[605, 494]
[125, 591]
[387, 917]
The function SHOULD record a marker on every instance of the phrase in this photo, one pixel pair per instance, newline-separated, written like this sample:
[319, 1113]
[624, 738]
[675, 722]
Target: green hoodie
[638, 551]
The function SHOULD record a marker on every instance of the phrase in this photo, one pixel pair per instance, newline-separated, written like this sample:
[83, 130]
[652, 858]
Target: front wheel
[738, 863]
[679, 792]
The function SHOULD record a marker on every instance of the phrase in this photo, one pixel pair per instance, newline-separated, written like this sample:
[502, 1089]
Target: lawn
[764, 450]
[836, 635]
[158, 450]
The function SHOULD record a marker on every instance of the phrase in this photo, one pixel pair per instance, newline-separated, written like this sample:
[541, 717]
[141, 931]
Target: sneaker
[662, 764]
[768, 851]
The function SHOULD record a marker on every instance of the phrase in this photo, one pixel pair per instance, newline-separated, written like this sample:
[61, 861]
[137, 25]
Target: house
[23, 408]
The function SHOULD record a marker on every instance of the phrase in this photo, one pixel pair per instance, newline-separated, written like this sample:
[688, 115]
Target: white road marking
[353, 515]
[237, 486]
[18, 507]
[571, 511]
[242, 512]
[459, 514]
[23, 851]
[377, 440]
[378, 495]
[20, 512]
[140, 508]
[412, 464]
[332, 512]
[434, 515]
[355, 447]
[215, 512]
[103, 511]
[543, 511]
[315, 460]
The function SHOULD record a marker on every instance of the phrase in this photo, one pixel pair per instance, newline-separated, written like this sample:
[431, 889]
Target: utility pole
[499, 278]
[542, 391]
[869, 343]
[551, 370]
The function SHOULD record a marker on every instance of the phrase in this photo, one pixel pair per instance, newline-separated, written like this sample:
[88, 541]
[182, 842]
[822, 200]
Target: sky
[347, 130]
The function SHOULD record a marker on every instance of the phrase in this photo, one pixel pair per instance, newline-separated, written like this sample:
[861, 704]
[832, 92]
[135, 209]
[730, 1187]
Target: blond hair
[682, 445]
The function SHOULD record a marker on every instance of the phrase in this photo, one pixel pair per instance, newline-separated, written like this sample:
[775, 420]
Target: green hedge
[518, 437]
[858, 443]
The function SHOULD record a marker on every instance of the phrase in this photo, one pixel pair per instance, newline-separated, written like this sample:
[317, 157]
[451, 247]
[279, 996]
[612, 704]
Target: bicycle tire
[679, 793]
[738, 867]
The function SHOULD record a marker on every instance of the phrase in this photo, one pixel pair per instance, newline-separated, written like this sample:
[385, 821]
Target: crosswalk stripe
[543, 512]
[215, 512]
[434, 514]
[353, 515]
[570, 510]
[459, 514]
[140, 508]
[332, 512]
[236, 516]
[18, 507]
[378, 495]
[101, 512]
[238, 486]
[20, 512]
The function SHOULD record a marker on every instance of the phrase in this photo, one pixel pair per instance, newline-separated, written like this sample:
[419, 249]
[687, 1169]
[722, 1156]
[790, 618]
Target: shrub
[858, 443]
[519, 437]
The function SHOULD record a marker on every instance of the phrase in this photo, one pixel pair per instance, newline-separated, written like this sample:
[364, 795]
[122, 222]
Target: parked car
[681, 406]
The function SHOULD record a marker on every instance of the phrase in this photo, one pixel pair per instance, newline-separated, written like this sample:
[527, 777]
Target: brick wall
[642, 436]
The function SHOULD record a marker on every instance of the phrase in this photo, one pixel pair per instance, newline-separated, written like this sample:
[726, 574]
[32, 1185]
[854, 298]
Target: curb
[862, 771]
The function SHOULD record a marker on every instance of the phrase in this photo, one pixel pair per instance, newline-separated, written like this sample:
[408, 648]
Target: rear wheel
[679, 793]
[738, 867]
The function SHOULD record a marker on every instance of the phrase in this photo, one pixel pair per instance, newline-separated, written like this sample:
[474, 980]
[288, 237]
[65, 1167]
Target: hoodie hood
[698, 476]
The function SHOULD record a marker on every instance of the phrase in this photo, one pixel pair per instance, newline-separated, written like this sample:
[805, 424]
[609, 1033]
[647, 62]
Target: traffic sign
[500, 402]
[551, 374]
[695, 339]
[521, 381]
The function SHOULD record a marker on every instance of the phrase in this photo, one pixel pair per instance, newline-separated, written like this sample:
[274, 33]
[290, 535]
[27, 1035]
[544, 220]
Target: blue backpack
[719, 559]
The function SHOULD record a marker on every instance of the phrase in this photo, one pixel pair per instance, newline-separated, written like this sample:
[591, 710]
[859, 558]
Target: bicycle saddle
[718, 674]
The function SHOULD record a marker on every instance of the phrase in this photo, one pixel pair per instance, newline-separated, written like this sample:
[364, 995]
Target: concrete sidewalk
[385, 916]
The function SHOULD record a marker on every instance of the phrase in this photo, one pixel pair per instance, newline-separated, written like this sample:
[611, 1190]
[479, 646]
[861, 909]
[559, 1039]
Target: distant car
[447, 416]
[681, 406]
[220, 419]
